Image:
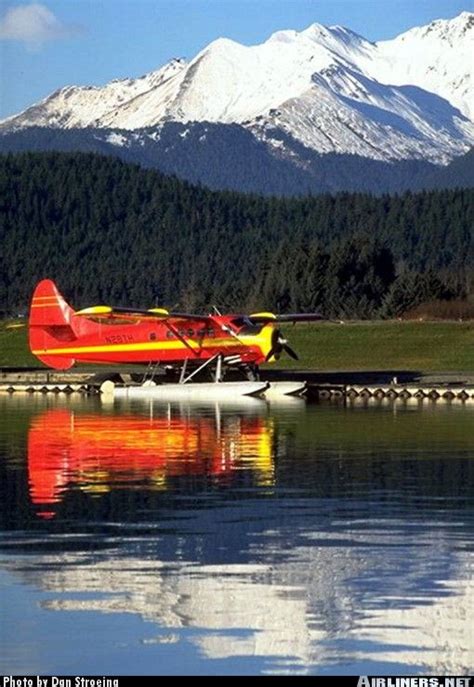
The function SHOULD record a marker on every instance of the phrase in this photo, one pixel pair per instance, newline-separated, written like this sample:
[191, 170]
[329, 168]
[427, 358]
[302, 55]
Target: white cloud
[33, 25]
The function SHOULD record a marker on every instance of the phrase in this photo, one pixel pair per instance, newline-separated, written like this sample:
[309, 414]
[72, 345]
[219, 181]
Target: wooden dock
[358, 386]
[399, 392]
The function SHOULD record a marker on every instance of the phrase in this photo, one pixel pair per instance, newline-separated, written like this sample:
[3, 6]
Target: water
[138, 539]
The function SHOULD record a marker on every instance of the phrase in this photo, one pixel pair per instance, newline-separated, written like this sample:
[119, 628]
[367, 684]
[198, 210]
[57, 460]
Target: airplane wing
[112, 312]
[263, 317]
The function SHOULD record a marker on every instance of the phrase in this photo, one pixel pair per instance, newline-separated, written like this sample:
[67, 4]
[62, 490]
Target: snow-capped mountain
[327, 88]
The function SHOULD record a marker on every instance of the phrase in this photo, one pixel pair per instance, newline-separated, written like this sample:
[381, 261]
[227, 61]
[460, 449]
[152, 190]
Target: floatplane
[60, 336]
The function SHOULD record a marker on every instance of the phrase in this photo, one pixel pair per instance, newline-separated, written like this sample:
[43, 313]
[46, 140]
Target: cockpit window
[245, 326]
[239, 322]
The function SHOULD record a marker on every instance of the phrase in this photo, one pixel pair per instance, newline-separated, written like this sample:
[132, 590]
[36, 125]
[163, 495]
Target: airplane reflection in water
[98, 452]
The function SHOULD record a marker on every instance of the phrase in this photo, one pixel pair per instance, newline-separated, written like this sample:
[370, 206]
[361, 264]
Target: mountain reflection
[100, 452]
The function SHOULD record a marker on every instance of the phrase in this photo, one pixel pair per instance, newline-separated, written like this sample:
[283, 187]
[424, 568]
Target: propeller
[280, 344]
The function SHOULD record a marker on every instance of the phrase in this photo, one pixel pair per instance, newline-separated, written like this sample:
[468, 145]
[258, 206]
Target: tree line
[111, 232]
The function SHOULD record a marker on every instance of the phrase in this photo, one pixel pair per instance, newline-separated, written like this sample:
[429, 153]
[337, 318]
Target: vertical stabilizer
[51, 326]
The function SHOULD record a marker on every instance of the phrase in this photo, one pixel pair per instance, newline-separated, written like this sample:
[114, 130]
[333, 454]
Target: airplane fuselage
[155, 342]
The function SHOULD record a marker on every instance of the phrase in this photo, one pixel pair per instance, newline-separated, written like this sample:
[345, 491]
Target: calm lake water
[138, 539]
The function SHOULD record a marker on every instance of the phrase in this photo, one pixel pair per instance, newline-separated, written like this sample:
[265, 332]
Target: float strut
[184, 379]
[183, 371]
[219, 369]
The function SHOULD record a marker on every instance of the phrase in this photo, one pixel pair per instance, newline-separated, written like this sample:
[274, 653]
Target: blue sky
[52, 43]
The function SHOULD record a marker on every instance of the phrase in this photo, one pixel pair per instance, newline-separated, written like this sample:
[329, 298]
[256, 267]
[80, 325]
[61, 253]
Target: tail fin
[51, 325]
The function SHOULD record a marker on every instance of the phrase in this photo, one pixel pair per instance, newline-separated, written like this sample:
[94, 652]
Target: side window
[169, 334]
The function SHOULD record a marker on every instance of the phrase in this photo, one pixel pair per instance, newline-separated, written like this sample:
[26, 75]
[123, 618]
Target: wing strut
[181, 338]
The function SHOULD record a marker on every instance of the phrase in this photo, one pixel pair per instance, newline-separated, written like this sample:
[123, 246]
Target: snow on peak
[284, 36]
[436, 57]
[336, 32]
[316, 31]
[222, 44]
[83, 106]
[448, 30]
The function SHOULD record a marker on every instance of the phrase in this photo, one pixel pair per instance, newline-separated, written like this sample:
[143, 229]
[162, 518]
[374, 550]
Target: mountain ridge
[199, 153]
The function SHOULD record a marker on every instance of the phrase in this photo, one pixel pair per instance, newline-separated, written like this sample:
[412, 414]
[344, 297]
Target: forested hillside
[107, 231]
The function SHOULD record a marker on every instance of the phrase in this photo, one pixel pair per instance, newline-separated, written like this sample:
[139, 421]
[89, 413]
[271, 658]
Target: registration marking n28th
[119, 339]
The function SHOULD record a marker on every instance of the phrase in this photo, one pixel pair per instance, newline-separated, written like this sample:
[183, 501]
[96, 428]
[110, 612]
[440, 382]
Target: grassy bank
[422, 346]
[14, 345]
